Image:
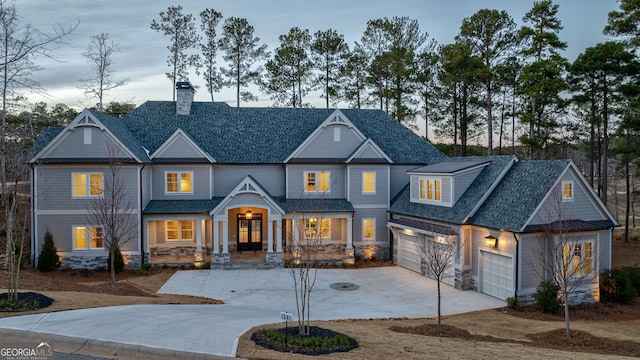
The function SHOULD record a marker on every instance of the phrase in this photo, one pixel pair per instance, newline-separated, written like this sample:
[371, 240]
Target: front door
[249, 232]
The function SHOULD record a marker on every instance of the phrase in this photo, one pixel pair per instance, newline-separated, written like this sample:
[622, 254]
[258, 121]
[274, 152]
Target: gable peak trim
[180, 134]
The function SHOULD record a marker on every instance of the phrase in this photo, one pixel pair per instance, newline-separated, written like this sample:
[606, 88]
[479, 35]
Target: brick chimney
[185, 92]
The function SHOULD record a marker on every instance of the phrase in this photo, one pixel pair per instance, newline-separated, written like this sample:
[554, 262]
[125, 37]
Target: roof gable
[179, 145]
[368, 151]
[249, 185]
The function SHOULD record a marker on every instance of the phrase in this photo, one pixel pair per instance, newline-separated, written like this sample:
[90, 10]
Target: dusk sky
[143, 54]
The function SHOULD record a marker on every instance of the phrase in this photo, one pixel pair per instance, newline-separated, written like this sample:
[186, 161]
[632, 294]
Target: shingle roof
[467, 202]
[181, 206]
[267, 135]
[315, 205]
[46, 135]
[518, 195]
[421, 225]
[122, 133]
[574, 225]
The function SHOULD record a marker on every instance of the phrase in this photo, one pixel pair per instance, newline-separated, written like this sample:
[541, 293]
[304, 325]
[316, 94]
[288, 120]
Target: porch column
[225, 236]
[216, 237]
[350, 254]
[279, 235]
[269, 235]
[198, 254]
[146, 256]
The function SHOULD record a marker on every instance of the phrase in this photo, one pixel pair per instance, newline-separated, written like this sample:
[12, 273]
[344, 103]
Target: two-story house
[207, 181]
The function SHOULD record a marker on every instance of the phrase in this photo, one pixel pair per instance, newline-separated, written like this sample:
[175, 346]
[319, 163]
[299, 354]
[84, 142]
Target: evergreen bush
[48, 260]
[547, 297]
[118, 263]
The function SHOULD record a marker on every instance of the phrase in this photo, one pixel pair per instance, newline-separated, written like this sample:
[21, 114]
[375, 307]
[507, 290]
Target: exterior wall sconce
[248, 215]
[490, 241]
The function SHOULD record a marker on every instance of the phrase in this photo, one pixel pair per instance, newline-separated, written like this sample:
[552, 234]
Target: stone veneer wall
[371, 251]
[97, 262]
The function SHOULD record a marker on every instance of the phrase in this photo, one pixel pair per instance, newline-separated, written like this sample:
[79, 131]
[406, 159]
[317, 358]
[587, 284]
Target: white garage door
[497, 275]
[409, 252]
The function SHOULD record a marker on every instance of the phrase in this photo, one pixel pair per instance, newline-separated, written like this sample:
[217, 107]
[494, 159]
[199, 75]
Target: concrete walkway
[252, 297]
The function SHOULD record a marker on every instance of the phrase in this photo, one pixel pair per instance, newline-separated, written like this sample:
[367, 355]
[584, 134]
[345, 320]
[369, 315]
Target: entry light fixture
[248, 215]
[490, 241]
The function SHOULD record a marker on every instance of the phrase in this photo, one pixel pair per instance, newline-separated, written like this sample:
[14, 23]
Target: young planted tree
[112, 213]
[491, 34]
[328, 51]
[99, 54]
[439, 254]
[183, 36]
[242, 51]
[209, 21]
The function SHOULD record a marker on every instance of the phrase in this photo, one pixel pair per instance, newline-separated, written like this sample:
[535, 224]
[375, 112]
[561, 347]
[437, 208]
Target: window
[179, 182]
[87, 238]
[311, 228]
[368, 182]
[317, 181]
[578, 258]
[567, 191]
[87, 184]
[179, 230]
[430, 189]
[369, 229]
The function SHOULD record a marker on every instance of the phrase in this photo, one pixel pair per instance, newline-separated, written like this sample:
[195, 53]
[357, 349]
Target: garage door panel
[409, 256]
[497, 275]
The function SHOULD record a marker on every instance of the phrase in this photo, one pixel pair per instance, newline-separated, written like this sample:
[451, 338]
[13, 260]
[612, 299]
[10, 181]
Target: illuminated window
[430, 189]
[369, 229]
[311, 228]
[87, 238]
[87, 184]
[317, 181]
[179, 230]
[369, 182]
[578, 258]
[567, 191]
[179, 182]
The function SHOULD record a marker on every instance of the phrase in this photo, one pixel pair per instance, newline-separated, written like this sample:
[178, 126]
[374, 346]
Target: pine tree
[49, 260]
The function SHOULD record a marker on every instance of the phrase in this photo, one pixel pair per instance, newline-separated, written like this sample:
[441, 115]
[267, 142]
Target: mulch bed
[292, 332]
[32, 301]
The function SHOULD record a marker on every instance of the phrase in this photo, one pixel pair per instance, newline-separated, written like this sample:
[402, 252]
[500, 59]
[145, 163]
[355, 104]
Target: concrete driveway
[252, 297]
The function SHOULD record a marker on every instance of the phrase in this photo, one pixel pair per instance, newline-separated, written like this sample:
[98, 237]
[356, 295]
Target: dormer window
[430, 189]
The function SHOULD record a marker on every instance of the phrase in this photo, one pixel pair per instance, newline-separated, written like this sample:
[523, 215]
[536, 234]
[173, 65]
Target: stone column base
[350, 256]
[220, 258]
[275, 258]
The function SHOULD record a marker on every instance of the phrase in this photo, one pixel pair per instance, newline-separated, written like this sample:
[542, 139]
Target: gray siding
[462, 183]
[381, 196]
[201, 182]
[604, 247]
[227, 177]
[73, 146]
[445, 190]
[382, 233]
[531, 264]
[54, 192]
[146, 186]
[399, 178]
[180, 148]
[296, 181]
[369, 153]
[324, 146]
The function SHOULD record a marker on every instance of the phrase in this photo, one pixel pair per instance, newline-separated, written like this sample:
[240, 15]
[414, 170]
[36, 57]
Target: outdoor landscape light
[490, 241]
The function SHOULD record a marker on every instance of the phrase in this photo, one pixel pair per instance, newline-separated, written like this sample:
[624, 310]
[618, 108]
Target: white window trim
[374, 229]
[166, 185]
[375, 176]
[583, 247]
[426, 179]
[573, 190]
[317, 190]
[88, 235]
[179, 230]
[88, 185]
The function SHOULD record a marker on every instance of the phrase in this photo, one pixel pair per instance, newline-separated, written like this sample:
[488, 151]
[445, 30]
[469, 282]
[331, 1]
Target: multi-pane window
[312, 226]
[369, 182]
[179, 182]
[578, 258]
[87, 184]
[179, 230]
[319, 181]
[430, 189]
[87, 238]
[369, 229]
[567, 191]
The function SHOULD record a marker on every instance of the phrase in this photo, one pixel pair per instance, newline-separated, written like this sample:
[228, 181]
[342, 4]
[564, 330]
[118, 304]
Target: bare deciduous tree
[99, 54]
[113, 211]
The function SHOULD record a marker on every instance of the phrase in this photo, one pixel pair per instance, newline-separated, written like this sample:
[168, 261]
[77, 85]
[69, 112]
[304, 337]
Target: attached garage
[496, 275]
[409, 252]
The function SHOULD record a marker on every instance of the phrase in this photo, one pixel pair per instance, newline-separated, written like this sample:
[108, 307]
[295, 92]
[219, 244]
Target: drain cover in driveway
[344, 286]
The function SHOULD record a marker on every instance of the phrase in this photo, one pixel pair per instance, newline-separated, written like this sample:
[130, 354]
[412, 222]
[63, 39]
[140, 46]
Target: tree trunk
[489, 120]
[567, 325]
[628, 187]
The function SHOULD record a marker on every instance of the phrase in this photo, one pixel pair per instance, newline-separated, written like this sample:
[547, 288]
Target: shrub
[514, 303]
[48, 260]
[118, 262]
[620, 285]
[547, 297]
